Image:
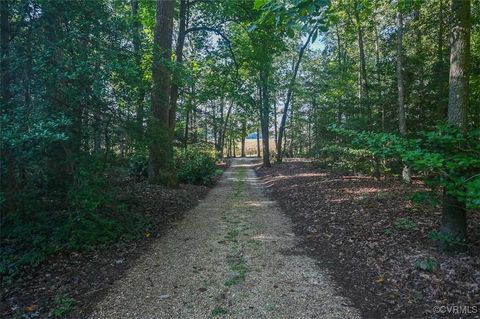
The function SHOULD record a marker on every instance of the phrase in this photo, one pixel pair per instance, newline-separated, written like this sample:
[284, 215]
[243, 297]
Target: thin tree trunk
[244, 133]
[179, 57]
[379, 81]
[140, 113]
[454, 219]
[187, 120]
[441, 69]
[402, 123]
[161, 168]
[275, 127]
[225, 123]
[364, 99]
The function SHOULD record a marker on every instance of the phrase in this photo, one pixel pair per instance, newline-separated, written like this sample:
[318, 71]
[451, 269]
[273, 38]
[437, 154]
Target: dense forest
[96, 93]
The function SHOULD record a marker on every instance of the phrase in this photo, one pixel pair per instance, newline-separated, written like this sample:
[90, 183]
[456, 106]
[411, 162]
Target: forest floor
[375, 243]
[234, 256]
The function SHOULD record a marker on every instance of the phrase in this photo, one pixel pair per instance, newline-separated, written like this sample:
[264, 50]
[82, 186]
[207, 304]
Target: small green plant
[381, 195]
[388, 232]
[240, 180]
[218, 311]
[405, 223]
[239, 267]
[424, 198]
[427, 264]
[445, 240]
[232, 235]
[63, 305]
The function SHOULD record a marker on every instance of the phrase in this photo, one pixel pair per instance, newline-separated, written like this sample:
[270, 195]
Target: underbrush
[99, 207]
[28, 242]
[196, 166]
[95, 215]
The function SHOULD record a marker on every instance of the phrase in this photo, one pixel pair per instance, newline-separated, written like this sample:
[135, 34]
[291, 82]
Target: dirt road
[233, 256]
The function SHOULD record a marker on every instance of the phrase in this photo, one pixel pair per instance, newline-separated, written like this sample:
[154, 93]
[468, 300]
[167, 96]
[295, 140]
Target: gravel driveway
[233, 256]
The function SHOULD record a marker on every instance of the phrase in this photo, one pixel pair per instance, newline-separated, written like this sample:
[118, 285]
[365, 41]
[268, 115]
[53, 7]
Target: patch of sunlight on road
[258, 203]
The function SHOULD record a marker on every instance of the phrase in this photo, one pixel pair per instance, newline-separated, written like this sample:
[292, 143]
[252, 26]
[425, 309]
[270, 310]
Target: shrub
[427, 264]
[195, 165]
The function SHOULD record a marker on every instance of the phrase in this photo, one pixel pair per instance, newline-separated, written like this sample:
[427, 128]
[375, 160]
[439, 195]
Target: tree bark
[161, 168]
[264, 118]
[244, 134]
[258, 142]
[454, 219]
[224, 124]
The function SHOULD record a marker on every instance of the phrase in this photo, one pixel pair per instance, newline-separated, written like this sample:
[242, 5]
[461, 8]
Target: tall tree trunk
[225, 123]
[258, 142]
[275, 119]
[441, 68]
[179, 57]
[185, 136]
[136, 40]
[378, 76]
[264, 118]
[454, 219]
[161, 168]
[402, 123]
[244, 134]
[281, 130]
[363, 85]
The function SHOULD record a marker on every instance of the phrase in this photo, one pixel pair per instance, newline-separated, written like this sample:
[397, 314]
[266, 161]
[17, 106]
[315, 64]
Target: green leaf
[259, 4]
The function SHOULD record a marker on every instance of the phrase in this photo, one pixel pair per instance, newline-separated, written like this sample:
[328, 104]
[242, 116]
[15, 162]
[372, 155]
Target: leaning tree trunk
[161, 169]
[402, 123]
[281, 130]
[454, 219]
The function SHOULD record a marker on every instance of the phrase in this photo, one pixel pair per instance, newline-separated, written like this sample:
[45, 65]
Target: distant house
[252, 136]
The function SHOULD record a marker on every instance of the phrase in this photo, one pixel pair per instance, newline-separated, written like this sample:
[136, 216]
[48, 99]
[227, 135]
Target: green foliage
[239, 267]
[218, 311]
[427, 264]
[196, 165]
[445, 240]
[446, 158]
[449, 158]
[63, 305]
[424, 198]
[87, 193]
[405, 223]
[29, 241]
[138, 165]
